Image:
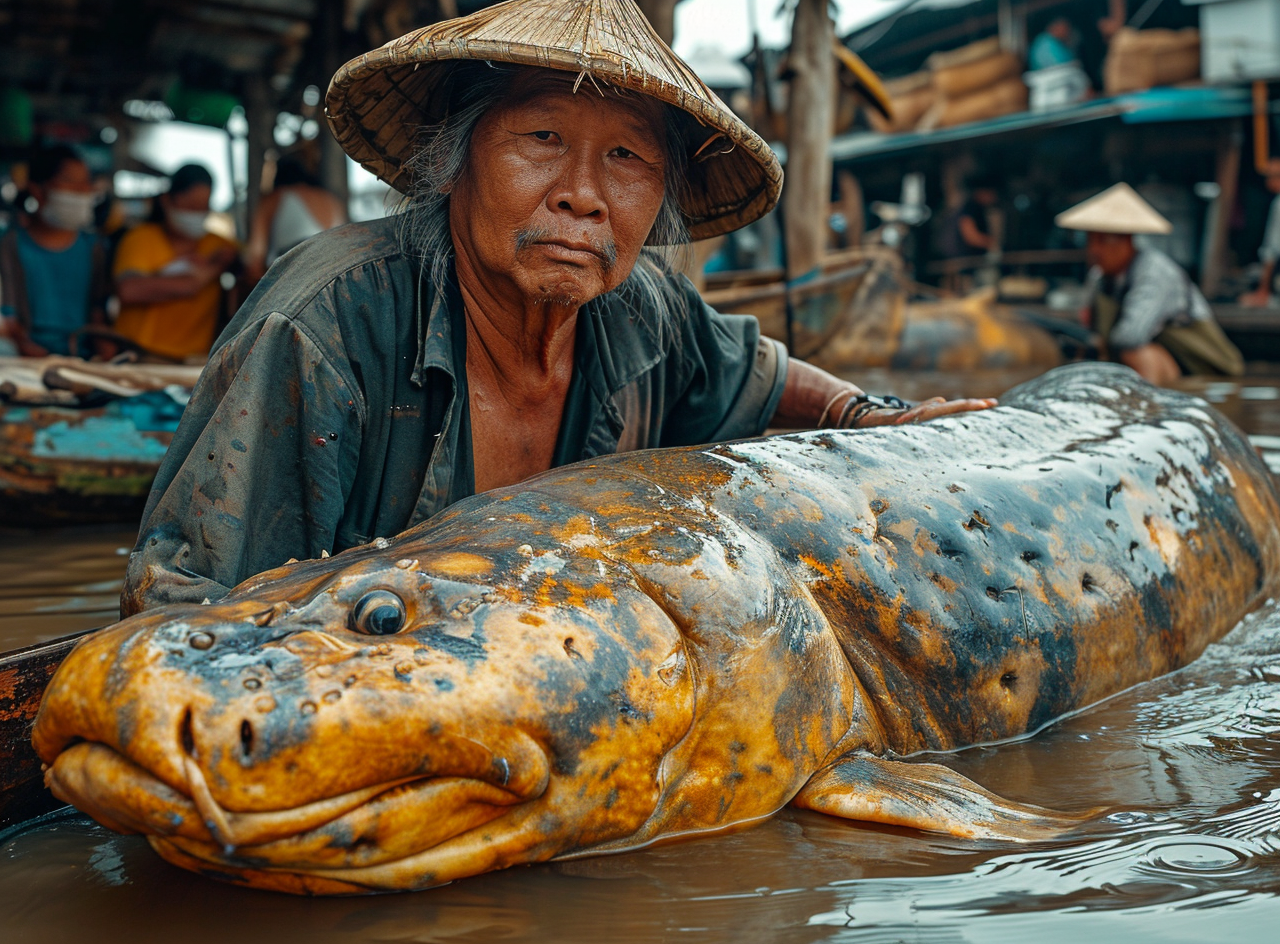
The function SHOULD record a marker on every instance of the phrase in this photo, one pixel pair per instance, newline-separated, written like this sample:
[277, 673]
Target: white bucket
[1056, 86]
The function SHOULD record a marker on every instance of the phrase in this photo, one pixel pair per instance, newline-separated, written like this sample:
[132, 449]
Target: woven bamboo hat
[1117, 209]
[377, 102]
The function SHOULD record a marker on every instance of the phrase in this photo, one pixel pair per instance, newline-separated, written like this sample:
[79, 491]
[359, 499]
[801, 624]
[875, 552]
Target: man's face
[1110, 252]
[560, 190]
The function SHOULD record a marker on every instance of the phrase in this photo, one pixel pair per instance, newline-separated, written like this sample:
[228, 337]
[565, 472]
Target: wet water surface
[1187, 768]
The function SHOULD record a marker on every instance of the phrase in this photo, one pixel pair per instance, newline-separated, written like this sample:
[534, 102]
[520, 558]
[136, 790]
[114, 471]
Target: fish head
[394, 717]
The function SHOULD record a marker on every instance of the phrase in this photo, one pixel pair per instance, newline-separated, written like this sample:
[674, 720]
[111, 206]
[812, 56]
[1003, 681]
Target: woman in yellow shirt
[167, 271]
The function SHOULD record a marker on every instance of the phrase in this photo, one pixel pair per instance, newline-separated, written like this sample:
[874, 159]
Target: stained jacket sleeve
[254, 474]
[730, 378]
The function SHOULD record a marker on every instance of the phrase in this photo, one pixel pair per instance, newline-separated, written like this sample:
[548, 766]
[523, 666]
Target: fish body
[656, 645]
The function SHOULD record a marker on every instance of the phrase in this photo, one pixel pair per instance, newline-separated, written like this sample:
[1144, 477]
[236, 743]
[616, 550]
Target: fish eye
[378, 613]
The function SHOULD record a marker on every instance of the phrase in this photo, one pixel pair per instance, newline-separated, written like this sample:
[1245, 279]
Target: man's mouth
[576, 252]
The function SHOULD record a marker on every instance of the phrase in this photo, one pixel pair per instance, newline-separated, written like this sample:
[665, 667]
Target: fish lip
[136, 800]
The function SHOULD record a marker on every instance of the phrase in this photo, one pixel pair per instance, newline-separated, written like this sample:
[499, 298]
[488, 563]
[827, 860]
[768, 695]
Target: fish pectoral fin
[928, 796]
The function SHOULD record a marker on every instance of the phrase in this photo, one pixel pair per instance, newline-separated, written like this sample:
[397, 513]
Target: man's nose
[580, 189]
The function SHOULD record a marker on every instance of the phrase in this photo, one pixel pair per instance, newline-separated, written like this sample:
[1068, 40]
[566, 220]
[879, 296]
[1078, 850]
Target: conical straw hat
[1117, 209]
[378, 102]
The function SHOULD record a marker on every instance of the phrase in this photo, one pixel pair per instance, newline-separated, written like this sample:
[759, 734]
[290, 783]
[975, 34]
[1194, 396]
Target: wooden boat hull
[81, 441]
[63, 465]
[24, 675]
[856, 313]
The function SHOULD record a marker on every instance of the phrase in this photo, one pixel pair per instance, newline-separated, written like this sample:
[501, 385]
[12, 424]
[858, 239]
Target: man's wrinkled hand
[923, 412]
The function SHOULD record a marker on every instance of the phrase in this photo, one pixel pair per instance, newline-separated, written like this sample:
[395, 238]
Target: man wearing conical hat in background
[1144, 307]
[517, 315]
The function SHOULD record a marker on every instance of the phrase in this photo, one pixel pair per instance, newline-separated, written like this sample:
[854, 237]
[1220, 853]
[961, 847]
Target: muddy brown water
[1188, 765]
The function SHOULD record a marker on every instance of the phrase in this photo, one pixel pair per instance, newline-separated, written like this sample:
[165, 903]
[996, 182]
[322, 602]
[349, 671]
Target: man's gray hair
[441, 157]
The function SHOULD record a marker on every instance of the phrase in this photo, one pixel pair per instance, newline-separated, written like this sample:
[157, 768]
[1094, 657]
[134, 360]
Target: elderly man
[511, 319]
[1144, 307]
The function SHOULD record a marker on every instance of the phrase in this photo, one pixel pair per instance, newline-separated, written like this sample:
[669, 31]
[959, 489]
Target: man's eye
[544, 135]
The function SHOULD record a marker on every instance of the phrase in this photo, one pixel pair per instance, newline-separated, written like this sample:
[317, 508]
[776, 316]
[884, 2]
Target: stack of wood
[976, 82]
[1143, 59]
[69, 381]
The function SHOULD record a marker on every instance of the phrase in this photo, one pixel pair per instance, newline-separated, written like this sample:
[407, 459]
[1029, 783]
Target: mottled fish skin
[666, 643]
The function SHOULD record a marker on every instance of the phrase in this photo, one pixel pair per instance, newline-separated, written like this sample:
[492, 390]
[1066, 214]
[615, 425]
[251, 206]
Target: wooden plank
[24, 674]
[1217, 229]
[811, 111]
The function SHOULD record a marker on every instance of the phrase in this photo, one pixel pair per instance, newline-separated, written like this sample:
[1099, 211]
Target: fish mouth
[352, 839]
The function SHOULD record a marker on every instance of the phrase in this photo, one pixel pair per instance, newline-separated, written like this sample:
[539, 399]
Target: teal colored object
[200, 106]
[1047, 50]
[74, 465]
[17, 117]
[115, 434]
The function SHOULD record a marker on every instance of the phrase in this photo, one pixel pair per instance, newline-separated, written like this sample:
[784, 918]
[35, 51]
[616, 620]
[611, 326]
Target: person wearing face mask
[167, 271]
[52, 270]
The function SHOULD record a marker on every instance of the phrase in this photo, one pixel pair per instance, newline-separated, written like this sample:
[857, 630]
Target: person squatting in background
[1146, 310]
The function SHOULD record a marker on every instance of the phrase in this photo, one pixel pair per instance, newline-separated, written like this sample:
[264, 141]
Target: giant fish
[658, 645]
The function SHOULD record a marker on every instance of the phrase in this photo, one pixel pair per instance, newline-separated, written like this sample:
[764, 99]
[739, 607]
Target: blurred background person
[1269, 251]
[1146, 310]
[52, 269]
[1054, 47]
[972, 228]
[297, 208]
[168, 271]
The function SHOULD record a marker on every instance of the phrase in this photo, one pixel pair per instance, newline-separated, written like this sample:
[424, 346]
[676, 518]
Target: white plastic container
[1239, 39]
[1056, 86]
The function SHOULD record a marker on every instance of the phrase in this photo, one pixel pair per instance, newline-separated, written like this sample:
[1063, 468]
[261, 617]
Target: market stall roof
[76, 59]
[82, 57]
[1155, 105]
[904, 36]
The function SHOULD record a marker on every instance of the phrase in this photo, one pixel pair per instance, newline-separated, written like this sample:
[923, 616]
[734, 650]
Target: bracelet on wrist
[826, 410]
[858, 407]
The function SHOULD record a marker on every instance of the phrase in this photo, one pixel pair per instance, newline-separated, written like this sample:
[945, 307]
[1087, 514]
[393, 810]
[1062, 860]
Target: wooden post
[333, 160]
[261, 118]
[1261, 127]
[1217, 225]
[811, 116]
[852, 208]
[661, 14]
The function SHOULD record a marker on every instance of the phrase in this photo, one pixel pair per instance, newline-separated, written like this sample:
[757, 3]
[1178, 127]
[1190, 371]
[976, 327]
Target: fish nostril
[185, 734]
[246, 738]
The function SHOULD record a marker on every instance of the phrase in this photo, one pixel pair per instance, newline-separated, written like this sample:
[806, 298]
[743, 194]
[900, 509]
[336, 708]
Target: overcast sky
[727, 23]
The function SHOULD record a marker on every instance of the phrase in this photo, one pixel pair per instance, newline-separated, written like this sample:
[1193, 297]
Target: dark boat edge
[24, 674]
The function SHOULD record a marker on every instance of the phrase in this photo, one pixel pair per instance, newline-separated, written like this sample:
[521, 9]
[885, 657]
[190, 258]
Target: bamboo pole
[811, 116]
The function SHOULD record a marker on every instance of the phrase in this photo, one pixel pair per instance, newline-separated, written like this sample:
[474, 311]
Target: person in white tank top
[295, 210]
